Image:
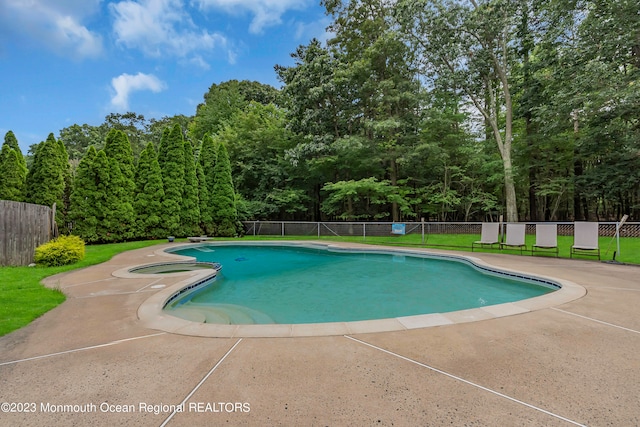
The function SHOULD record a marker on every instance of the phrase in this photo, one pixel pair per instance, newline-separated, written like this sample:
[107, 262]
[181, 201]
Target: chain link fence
[364, 229]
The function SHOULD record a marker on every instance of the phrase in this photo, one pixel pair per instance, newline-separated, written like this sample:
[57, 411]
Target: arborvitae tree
[162, 148]
[131, 124]
[172, 168]
[13, 174]
[119, 212]
[118, 150]
[113, 218]
[190, 210]
[117, 147]
[11, 140]
[223, 198]
[208, 156]
[106, 221]
[206, 223]
[63, 157]
[46, 178]
[149, 196]
[84, 204]
[207, 161]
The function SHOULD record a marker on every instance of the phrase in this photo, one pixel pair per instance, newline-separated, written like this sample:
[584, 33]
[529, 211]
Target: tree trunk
[577, 171]
[509, 189]
[533, 169]
[317, 213]
[350, 208]
[504, 146]
[395, 211]
[527, 46]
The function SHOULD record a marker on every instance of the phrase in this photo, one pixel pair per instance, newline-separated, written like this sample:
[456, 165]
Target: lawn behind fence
[629, 246]
[23, 298]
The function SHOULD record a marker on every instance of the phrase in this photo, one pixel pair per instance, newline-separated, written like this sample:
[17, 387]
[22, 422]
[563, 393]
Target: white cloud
[57, 25]
[199, 62]
[125, 84]
[162, 27]
[315, 29]
[266, 13]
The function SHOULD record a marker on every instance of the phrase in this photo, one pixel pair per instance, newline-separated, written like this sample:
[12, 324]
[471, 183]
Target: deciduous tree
[469, 41]
[223, 100]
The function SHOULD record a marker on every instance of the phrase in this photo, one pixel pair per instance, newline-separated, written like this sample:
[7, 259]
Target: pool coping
[152, 315]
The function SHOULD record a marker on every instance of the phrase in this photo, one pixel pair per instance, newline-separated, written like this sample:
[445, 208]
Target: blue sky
[75, 61]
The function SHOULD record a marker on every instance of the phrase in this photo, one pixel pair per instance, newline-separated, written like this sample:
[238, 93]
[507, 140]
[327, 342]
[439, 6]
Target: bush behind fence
[364, 229]
[23, 227]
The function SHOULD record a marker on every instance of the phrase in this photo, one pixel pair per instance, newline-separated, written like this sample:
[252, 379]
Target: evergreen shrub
[61, 251]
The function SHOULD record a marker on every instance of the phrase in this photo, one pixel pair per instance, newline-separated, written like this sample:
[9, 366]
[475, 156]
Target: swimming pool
[297, 284]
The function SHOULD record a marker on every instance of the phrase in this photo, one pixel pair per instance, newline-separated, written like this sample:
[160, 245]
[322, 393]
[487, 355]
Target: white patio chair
[585, 239]
[488, 235]
[546, 238]
[515, 236]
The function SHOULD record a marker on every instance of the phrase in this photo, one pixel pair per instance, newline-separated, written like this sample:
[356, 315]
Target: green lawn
[23, 298]
[629, 246]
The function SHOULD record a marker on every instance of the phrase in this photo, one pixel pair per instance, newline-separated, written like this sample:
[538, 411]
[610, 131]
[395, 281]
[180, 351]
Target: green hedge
[61, 251]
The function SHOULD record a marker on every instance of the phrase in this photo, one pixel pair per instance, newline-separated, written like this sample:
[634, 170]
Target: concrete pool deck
[92, 361]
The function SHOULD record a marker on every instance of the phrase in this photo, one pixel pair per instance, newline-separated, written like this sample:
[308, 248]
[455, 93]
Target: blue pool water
[289, 284]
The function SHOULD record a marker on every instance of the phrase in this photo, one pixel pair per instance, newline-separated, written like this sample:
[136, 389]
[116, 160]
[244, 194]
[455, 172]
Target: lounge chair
[546, 238]
[585, 239]
[199, 239]
[488, 235]
[515, 236]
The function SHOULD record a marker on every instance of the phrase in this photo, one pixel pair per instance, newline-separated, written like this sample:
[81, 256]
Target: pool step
[227, 314]
[192, 315]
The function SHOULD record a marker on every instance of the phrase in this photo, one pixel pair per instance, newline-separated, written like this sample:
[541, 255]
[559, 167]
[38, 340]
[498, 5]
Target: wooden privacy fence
[23, 227]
